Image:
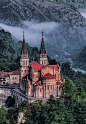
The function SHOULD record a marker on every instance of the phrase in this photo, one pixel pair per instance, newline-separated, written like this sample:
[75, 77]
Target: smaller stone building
[14, 77]
[9, 77]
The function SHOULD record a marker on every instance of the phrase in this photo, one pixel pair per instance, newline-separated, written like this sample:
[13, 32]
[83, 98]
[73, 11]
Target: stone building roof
[38, 66]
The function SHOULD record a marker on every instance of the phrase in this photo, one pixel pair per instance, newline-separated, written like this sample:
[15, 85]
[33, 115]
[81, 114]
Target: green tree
[3, 119]
[12, 115]
[10, 101]
[81, 87]
[67, 91]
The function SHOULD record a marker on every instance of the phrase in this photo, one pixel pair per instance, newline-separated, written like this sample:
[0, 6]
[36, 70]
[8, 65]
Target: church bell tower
[24, 61]
[43, 55]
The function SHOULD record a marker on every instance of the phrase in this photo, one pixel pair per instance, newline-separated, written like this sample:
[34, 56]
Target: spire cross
[23, 33]
[42, 32]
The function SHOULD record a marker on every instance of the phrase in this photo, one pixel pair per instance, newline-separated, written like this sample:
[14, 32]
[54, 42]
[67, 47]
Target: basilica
[39, 80]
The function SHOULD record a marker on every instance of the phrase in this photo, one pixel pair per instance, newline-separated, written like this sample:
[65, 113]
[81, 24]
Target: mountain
[76, 3]
[65, 41]
[12, 12]
[80, 60]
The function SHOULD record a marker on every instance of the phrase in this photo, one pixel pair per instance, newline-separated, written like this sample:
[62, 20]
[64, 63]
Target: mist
[83, 12]
[32, 31]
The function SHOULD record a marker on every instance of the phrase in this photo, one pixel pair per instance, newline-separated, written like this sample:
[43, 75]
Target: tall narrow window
[48, 87]
[26, 62]
[51, 87]
[45, 87]
[23, 62]
[44, 61]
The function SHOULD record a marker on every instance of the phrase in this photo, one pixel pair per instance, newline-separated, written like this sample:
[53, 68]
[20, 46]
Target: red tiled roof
[4, 74]
[38, 66]
[48, 75]
[38, 83]
[10, 73]
[58, 83]
[14, 73]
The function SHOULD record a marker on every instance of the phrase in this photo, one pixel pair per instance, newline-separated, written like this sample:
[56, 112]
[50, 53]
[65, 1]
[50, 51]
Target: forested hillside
[70, 108]
[10, 52]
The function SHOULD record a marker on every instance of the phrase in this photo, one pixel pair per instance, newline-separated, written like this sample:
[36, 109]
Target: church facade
[39, 80]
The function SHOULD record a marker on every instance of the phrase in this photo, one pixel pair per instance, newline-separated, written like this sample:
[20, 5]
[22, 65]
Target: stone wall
[4, 93]
[18, 96]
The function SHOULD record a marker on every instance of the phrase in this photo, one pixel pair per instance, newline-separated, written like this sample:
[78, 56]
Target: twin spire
[42, 49]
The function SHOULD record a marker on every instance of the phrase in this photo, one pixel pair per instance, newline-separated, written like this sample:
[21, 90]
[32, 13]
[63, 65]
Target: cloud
[83, 14]
[32, 31]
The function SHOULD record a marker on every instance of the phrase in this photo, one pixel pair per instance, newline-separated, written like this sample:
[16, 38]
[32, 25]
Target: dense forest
[70, 108]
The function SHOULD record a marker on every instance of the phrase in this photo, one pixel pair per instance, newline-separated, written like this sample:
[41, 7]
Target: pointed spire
[23, 51]
[23, 34]
[42, 33]
[42, 49]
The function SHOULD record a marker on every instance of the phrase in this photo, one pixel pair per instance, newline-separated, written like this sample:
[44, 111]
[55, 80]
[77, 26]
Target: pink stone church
[39, 80]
